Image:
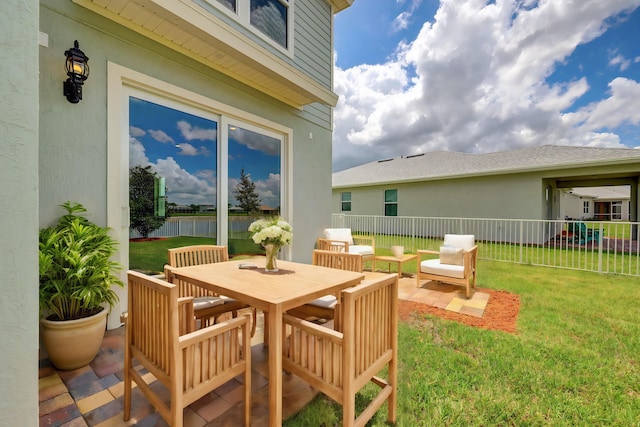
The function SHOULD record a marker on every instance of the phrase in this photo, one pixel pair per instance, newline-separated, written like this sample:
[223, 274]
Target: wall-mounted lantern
[77, 68]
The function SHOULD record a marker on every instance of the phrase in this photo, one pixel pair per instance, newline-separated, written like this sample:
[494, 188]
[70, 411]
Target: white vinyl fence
[600, 246]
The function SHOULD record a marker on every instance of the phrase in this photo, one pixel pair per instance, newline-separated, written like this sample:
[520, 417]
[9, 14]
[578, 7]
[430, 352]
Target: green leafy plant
[76, 270]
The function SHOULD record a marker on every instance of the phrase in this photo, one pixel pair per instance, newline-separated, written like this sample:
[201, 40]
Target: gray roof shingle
[445, 164]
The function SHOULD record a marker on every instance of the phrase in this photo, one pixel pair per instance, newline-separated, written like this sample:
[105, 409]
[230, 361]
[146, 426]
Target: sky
[477, 76]
[182, 147]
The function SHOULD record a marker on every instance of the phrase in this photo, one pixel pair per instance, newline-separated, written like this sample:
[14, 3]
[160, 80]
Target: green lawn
[574, 361]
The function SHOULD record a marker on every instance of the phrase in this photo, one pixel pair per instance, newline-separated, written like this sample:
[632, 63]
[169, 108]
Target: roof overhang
[340, 5]
[185, 27]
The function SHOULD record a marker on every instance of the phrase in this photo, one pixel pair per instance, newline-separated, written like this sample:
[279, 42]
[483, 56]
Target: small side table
[398, 261]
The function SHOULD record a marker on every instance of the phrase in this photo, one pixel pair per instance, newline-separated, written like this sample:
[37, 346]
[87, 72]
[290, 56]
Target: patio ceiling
[185, 27]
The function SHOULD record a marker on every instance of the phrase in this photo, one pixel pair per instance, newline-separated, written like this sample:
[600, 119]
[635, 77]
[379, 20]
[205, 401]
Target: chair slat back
[370, 326]
[152, 322]
[338, 260]
[197, 254]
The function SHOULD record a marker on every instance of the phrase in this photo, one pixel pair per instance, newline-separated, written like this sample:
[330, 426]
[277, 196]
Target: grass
[574, 361]
[151, 256]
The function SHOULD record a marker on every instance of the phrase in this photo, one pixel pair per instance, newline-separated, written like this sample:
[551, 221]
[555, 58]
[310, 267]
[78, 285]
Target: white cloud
[160, 136]
[183, 187]
[620, 61]
[137, 154]
[136, 131]
[190, 133]
[476, 80]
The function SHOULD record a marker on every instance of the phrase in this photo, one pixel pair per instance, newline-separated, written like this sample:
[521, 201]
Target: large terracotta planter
[72, 344]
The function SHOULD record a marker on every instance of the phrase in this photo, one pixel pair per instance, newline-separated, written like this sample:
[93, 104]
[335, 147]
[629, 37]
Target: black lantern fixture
[77, 68]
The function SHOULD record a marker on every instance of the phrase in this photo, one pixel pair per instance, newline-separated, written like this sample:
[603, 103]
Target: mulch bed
[500, 314]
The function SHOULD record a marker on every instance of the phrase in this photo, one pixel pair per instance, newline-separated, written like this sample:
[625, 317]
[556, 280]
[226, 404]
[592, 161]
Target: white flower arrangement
[271, 231]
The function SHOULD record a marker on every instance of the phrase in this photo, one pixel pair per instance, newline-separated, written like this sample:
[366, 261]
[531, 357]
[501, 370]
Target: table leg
[275, 366]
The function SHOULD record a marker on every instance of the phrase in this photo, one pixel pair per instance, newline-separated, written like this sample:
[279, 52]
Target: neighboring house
[598, 203]
[271, 76]
[517, 184]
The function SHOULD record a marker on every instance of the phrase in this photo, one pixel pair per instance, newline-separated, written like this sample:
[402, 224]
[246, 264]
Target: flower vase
[271, 251]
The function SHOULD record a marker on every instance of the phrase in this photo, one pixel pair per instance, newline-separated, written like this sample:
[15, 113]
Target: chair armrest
[422, 252]
[365, 240]
[312, 328]
[204, 334]
[333, 245]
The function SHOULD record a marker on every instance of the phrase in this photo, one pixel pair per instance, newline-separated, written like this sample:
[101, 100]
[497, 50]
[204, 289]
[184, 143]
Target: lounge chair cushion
[451, 255]
[361, 250]
[464, 241]
[341, 234]
[434, 266]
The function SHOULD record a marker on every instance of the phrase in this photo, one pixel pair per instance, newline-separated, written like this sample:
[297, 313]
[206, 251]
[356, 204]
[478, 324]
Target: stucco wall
[19, 225]
[517, 196]
[74, 137]
[75, 144]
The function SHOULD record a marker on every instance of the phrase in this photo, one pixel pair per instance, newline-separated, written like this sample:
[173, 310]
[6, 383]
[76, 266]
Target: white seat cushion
[433, 266]
[200, 303]
[464, 241]
[360, 249]
[327, 301]
[341, 234]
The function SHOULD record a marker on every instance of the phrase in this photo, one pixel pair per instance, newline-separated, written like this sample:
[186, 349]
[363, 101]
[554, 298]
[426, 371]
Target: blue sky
[475, 76]
[182, 148]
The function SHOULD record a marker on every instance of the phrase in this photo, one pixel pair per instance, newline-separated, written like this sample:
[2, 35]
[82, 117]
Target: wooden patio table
[292, 285]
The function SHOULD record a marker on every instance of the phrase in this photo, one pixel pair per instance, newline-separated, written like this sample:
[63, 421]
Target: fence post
[521, 240]
[600, 233]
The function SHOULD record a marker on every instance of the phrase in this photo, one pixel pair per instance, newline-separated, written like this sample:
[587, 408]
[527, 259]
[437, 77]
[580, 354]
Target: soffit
[340, 5]
[187, 28]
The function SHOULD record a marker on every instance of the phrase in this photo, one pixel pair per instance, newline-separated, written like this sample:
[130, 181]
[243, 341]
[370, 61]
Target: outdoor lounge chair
[207, 304]
[586, 234]
[190, 365]
[339, 364]
[456, 262]
[341, 240]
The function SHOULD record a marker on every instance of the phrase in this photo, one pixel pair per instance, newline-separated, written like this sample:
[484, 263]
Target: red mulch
[500, 314]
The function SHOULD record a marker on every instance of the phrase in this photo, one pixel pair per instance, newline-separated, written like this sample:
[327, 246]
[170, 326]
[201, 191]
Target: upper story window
[390, 202]
[270, 18]
[345, 201]
[585, 207]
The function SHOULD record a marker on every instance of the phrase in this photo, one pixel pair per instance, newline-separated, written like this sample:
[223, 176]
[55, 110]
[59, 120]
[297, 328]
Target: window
[616, 210]
[585, 207]
[345, 201]
[391, 203]
[271, 19]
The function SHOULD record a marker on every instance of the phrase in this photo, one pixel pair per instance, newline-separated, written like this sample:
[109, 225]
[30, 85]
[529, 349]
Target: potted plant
[76, 279]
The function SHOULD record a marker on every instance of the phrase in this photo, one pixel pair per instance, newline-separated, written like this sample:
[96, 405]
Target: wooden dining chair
[339, 364]
[208, 305]
[189, 365]
[324, 307]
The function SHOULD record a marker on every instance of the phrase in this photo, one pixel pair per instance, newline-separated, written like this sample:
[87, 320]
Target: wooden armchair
[207, 305]
[189, 366]
[341, 240]
[324, 307]
[456, 262]
[339, 364]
